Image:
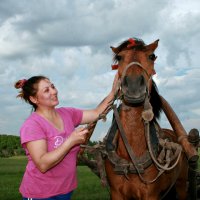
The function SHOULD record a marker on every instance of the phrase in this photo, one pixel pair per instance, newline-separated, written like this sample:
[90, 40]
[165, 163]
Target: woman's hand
[45, 159]
[78, 136]
[92, 115]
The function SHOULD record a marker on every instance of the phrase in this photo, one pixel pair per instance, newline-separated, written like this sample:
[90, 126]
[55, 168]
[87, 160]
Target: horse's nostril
[141, 80]
[125, 82]
[134, 86]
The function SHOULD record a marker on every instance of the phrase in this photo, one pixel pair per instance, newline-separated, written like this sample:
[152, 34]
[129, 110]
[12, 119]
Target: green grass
[89, 187]
[12, 169]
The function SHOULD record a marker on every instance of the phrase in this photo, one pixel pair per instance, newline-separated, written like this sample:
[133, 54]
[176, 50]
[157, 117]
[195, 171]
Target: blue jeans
[58, 197]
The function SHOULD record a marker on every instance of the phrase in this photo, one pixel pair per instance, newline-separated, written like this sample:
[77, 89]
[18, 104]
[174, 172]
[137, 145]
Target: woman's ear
[33, 99]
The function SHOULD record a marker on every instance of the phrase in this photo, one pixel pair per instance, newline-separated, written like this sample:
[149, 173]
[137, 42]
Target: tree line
[10, 146]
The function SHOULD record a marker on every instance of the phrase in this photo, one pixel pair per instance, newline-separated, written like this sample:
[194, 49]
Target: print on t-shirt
[58, 140]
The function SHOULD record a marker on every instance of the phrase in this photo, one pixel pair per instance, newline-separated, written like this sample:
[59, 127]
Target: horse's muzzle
[133, 101]
[134, 90]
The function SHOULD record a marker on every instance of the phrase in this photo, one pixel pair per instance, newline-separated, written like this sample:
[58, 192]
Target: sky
[69, 42]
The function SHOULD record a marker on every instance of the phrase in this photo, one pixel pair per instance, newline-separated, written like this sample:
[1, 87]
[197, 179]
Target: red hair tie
[22, 82]
[132, 43]
[154, 72]
[114, 67]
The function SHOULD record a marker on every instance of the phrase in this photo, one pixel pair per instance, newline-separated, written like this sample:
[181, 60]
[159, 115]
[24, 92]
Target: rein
[130, 151]
[138, 166]
[134, 159]
[147, 106]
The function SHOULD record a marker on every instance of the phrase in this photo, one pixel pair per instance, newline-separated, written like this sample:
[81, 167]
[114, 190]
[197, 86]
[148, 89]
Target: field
[12, 169]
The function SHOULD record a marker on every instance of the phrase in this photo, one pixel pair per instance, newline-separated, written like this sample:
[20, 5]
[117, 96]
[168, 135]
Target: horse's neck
[131, 118]
[133, 126]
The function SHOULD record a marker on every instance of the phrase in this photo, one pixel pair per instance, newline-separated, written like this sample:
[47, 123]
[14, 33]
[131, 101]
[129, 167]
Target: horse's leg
[115, 182]
[181, 183]
[154, 196]
[181, 189]
[116, 195]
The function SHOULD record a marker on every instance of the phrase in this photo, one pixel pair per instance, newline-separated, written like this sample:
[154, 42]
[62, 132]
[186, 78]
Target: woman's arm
[45, 160]
[92, 115]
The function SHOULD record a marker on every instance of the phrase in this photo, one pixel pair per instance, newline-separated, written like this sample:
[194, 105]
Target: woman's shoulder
[33, 128]
[32, 120]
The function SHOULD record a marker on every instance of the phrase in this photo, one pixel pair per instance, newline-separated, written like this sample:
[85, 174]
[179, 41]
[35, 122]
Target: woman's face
[47, 94]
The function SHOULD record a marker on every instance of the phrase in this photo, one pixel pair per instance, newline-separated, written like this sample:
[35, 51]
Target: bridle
[161, 168]
[147, 106]
[134, 63]
[131, 64]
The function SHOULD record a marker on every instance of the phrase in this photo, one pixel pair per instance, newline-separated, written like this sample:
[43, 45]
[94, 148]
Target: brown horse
[142, 178]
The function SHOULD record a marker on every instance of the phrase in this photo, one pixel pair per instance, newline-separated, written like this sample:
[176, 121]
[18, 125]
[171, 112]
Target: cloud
[69, 41]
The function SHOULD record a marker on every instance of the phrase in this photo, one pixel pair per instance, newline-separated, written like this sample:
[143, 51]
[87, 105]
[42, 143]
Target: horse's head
[135, 64]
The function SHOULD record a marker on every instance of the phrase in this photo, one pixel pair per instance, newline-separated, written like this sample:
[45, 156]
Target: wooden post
[189, 149]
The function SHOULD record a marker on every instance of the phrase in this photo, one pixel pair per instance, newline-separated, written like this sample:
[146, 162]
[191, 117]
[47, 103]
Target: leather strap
[134, 159]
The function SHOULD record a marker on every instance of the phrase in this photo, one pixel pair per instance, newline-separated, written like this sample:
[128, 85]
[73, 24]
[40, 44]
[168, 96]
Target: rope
[130, 152]
[166, 168]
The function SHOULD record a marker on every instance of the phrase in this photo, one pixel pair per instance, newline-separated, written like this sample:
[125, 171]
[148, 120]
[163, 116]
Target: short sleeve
[30, 131]
[77, 116]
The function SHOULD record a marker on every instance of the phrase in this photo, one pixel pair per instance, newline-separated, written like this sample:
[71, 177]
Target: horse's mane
[155, 100]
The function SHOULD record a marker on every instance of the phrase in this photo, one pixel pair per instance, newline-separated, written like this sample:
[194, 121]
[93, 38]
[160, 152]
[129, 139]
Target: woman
[51, 141]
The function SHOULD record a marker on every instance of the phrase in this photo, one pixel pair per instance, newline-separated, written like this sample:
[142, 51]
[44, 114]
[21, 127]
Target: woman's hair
[29, 88]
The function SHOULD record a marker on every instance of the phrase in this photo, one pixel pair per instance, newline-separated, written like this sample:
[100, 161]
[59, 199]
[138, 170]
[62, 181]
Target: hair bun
[20, 83]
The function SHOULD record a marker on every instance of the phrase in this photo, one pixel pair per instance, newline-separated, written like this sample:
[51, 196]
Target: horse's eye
[118, 57]
[152, 57]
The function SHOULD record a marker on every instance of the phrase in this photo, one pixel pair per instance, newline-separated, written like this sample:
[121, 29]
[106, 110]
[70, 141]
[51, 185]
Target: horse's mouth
[133, 100]
[134, 90]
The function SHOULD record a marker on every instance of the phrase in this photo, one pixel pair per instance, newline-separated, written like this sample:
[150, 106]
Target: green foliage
[92, 143]
[10, 146]
[89, 156]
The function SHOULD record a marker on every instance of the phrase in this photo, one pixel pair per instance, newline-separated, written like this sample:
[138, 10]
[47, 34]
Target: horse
[132, 171]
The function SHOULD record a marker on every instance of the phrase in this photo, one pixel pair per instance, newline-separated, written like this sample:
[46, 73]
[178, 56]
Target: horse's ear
[115, 50]
[152, 46]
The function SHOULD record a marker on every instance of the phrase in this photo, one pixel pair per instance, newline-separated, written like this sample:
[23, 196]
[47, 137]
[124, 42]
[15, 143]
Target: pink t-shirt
[60, 179]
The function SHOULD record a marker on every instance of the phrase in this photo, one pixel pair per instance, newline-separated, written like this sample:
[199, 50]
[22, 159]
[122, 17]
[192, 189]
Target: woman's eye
[152, 57]
[118, 58]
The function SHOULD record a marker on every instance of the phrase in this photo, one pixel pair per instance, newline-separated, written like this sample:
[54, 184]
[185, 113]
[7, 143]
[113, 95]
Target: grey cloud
[69, 42]
[50, 24]
[180, 33]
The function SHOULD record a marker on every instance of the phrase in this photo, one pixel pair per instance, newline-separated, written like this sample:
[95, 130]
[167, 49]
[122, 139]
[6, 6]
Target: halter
[132, 44]
[129, 65]
[161, 166]
[142, 67]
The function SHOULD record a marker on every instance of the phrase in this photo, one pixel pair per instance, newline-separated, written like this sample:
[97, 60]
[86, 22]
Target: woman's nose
[54, 91]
